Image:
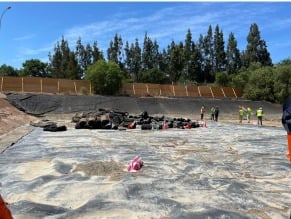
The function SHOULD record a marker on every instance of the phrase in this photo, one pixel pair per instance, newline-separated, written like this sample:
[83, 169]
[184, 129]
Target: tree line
[208, 60]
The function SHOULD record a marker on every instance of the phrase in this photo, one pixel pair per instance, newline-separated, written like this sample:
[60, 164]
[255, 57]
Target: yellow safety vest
[259, 112]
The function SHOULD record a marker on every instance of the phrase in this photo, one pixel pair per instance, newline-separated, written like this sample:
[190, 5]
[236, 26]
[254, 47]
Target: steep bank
[40, 105]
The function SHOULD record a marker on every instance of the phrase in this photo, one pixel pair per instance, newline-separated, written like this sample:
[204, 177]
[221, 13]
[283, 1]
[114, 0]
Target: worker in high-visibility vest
[260, 114]
[240, 114]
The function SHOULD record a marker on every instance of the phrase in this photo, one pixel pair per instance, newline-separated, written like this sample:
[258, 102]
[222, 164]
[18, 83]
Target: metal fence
[83, 87]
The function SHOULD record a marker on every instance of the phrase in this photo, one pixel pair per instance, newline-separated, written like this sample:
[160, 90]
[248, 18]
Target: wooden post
[22, 87]
[58, 86]
[147, 89]
[41, 86]
[173, 89]
[186, 90]
[223, 92]
[199, 91]
[90, 89]
[234, 92]
[211, 92]
[133, 88]
[75, 87]
[2, 84]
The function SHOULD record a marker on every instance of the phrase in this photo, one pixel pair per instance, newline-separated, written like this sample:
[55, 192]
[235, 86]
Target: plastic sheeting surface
[222, 171]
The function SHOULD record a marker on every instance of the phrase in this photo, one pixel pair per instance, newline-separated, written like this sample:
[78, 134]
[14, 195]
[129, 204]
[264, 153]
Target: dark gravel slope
[39, 104]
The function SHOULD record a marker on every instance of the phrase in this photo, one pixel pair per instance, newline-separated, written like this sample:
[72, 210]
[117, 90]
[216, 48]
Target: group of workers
[214, 112]
[248, 113]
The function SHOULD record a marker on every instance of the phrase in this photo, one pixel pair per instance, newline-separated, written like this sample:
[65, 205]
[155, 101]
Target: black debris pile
[49, 126]
[117, 120]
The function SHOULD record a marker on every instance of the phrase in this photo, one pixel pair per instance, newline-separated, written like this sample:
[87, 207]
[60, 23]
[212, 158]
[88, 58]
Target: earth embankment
[40, 105]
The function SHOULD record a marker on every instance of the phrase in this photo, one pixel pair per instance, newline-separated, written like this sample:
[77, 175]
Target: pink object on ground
[135, 165]
[165, 125]
[188, 126]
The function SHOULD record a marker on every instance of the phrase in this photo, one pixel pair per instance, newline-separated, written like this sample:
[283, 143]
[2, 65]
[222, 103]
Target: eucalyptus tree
[83, 56]
[209, 56]
[176, 63]
[63, 63]
[187, 55]
[233, 60]
[164, 61]
[195, 63]
[114, 52]
[137, 59]
[219, 56]
[149, 53]
[97, 54]
[201, 76]
[128, 61]
[132, 62]
[256, 49]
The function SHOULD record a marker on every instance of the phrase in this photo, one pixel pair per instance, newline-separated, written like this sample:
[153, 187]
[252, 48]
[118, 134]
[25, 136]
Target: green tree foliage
[6, 70]
[239, 80]
[176, 62]
[208, 56]
[153, 75]
[222, 79]
[97, 54]
[114, 52]
[106, 77]
[261, 85]
[34, 68]
[201, 61]
[219, 56]
[149, 54]
[83, 56]
[133, 60]
[233, 61]
[282, 81]
[188, 55]
[63, 63]
[256, 50]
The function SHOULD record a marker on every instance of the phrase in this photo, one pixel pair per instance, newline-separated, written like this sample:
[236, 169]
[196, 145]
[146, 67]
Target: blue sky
[30, 30]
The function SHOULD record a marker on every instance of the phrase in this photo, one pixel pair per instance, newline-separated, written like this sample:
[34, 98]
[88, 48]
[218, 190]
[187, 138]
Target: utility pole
[9, 7]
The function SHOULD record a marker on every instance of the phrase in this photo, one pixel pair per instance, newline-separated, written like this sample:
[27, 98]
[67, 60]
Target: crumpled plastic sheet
[222, 171]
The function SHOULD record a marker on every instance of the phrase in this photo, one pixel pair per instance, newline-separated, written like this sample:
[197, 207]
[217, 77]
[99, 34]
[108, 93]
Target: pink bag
[135, 165]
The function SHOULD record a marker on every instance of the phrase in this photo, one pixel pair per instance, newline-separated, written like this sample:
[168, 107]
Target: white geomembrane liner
[221, 171]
